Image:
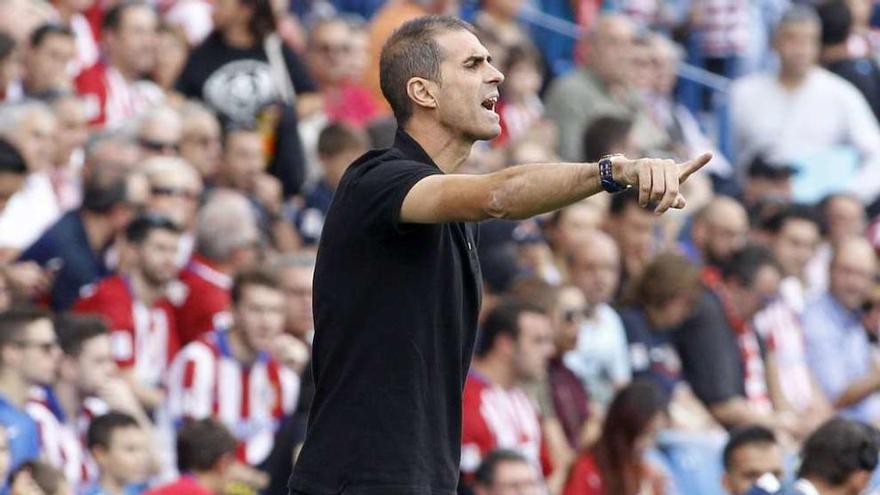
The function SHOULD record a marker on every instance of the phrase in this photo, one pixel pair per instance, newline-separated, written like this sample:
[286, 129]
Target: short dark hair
[262, 22]
[836, 20]
[11, 159]
[412, 51]
[338, 137]
[776, 222]
[47, 477]
[603, 134]
[743, 437]
[262, 277]
[104, 188]
[15, 320]
[74, 330]
[49, 29]
[201, 443]
[101, 429]
[113, 17]
[7, 45]
[503, 319]
[140, 228]
[485, 474]
[744, 265]
[837, 449]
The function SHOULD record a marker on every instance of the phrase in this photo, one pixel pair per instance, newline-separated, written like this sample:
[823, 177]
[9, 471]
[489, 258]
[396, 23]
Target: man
[205, 453]
[839, 458]
[506, 471]
[837, 344]
[200, 141]
[767, 182]
[115, 89]
[296, 273]
[79, 239]
[226, 243]
[575, 100]
[136, 306]
[633, 229]
[231, 373]
[843, 216]
[51, 53]
[719, 230]
[121, 449]
[751, 452]
[515, 345]
[399, 219]
[175, 191]
[159, 133]
[788, 100]
[600, 358]
[28, 353]
[70, 139]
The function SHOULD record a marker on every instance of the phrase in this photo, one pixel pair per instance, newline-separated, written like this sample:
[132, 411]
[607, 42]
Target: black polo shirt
[395, 320]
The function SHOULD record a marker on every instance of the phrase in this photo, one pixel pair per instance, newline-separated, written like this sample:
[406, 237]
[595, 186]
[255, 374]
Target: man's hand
[658, 180]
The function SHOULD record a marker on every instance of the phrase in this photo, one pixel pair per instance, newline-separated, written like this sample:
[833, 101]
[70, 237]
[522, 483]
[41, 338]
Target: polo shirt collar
[411, 148]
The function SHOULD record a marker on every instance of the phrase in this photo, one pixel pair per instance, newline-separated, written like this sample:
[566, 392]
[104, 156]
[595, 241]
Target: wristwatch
[606, 177]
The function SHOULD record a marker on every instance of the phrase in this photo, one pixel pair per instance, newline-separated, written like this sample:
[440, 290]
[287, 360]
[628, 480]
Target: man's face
[94, 366]
[748, 301]
[469, 82]
[596, 272]
[133, 43]
[176, 196]
[570, 311]
[46, 67]
[159, 137]
[795, 245]
[329, 51]
[244, 160]
[200, 144]
[750, 462]
[851, 276]
[534, 345]
[127, 459]
[634, 231]
[723, 234]
[260, 316]
[158, 257]
[613, 43]
[73, 129]
[798, 47]
[35, 137]
[513, 478]
[575, 223]
[39, 353]
[297, 285]
[9, 185]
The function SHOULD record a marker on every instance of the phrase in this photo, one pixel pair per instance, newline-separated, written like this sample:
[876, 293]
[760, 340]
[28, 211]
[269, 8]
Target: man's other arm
[526, 190]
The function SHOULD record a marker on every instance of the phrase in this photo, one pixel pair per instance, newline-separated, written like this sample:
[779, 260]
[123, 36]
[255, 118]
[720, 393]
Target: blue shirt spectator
[24, 439]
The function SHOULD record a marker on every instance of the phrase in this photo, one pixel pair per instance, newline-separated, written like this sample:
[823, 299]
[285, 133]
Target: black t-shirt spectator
[238, 84]
[864, 74]
[709, 353]
[395, 321]
[652, 353]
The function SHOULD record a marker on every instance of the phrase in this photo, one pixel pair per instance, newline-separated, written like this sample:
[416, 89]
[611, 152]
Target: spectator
[240, 358]
[27, 348]
[499, 20]
[794, 235]
[506, 471]
[837, 344]
[136, 306]
[172, 49]
[569, 227]
[79, 239]
[121, 450]
[516, 340]
[115, 88]
[31, 127]
[751, 452]
[70, 140]
[71, 14]
[787, 133]
[577, 99]
[616, 463]
[600, 359]
[338, 146]
[51, 53]
[296, 273]
[110, 148]
[200, 142]
[13, 171]
[608, 135]
[175, 190]
[330, 52]
[205, 453]
[767, 182]
[633, 228]
[843, 216]
[861, 71]
[722, 356]
[520, 106]
[226, 242]
[719, 229]
[37, 477]
[159, 132]
[10, 69]
[244, 52]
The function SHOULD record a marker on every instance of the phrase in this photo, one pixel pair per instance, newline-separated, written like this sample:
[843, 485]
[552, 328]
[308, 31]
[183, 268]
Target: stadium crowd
[165, 169]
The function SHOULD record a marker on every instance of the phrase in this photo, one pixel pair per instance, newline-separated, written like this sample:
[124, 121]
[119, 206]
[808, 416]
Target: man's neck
[143, 290]
[239, 36]
[98, 231]
[209, 480]
[112, 486]
[69, 398]
[792, 80]
[497, 372]
[835, 53]
[241, 351]
[448, 151]
[13, 386]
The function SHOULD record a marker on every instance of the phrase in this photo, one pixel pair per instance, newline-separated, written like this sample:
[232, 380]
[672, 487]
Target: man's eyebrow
[478, 59]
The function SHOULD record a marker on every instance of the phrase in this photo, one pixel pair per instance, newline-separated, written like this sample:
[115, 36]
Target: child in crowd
[121, 449]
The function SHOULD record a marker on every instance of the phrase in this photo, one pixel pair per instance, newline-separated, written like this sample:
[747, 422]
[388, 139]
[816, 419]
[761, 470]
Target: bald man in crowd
[719, 229]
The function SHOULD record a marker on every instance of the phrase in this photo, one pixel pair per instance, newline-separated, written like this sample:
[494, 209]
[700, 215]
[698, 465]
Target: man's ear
[858, 481]
[422, 92]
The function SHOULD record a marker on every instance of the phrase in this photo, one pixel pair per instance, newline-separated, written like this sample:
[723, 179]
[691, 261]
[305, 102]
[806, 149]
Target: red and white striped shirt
[63, 443]
[111, 99]
[204, 304]
[205, 380]
[143, 337]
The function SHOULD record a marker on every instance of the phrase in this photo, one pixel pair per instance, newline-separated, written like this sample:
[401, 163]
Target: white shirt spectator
[29, 213]
[601, 358]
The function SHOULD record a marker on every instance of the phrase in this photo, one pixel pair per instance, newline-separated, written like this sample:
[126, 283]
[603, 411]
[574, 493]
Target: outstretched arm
[526, 190]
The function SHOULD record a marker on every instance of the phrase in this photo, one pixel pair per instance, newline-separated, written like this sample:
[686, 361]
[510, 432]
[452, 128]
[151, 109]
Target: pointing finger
[692, 165]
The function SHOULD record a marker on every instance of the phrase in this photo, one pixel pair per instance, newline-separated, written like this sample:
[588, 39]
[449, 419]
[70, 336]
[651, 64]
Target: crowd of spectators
[165, 170]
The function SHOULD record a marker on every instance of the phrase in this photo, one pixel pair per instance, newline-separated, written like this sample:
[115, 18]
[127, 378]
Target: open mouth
[489, 103]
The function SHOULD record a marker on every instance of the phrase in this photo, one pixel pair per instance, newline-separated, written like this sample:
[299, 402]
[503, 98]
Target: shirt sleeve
[830, 372]
[620, 370]
[709, 354]
[864, 134]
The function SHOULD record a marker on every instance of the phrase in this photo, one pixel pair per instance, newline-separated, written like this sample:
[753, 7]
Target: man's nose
[496, 76]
